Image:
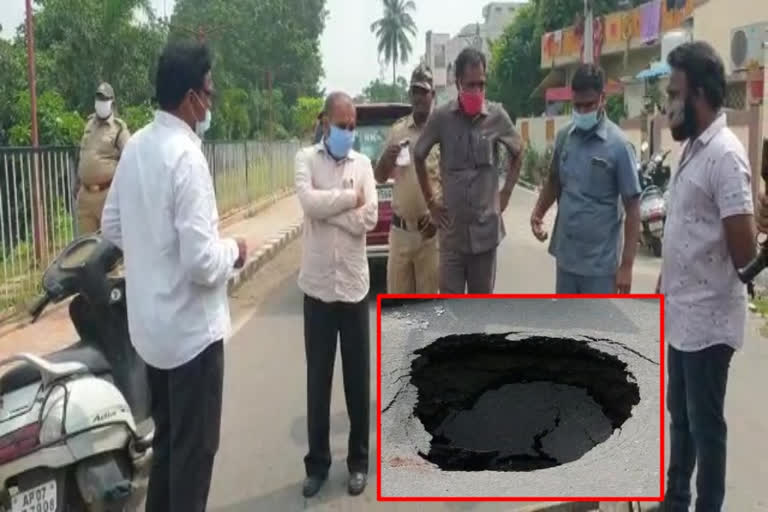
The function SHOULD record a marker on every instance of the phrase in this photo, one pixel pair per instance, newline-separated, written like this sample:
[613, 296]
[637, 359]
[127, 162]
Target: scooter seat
[26, 374]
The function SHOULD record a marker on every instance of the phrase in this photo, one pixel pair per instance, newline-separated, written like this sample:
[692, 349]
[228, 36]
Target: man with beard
[592, 169]
[413, 258]
[710, 232]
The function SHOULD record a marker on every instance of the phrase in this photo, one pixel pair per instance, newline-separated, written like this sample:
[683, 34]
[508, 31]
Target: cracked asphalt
[259, 467]
[625, 464]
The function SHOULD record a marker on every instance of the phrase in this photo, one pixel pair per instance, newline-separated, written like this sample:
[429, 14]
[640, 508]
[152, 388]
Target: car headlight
[53, 416]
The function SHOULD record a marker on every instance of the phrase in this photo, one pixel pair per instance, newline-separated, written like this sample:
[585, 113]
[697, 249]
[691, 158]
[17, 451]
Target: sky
[348, 47]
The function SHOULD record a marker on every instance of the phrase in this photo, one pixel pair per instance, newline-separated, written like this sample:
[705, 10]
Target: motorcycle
[75, 426]
[654, 176]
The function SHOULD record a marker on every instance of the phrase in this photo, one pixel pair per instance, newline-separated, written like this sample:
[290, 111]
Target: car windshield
[370, 140]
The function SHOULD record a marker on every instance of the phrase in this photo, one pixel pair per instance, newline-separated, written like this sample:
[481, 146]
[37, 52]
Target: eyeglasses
[345, 126]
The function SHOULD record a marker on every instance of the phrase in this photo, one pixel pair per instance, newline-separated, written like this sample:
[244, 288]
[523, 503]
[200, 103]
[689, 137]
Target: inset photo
[520, 398]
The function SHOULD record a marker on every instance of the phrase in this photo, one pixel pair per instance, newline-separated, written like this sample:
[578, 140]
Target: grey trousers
[467, 273]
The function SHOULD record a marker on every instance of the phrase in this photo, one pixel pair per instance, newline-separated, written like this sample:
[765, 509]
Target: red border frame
[380, 297]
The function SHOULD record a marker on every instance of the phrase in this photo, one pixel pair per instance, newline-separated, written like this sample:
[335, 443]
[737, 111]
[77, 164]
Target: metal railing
[37, 209]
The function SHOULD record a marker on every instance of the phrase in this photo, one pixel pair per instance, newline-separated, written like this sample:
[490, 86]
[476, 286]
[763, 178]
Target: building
[625, 43]
[633, 45]
[442, 49]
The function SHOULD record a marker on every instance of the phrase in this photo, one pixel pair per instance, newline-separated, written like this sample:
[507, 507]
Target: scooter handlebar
[38, 306]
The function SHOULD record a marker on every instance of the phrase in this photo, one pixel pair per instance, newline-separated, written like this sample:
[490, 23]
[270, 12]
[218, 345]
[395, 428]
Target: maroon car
[373, 123]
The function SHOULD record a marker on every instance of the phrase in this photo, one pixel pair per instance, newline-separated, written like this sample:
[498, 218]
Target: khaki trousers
[89, 208]
[412, 266]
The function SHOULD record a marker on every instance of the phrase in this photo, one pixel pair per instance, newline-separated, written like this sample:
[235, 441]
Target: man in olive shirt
[468, 130]
[103, 141]
[413, 257]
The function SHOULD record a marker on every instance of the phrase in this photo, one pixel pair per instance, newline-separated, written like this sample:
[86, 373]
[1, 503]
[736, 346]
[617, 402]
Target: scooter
[75, 426]
[654, 177]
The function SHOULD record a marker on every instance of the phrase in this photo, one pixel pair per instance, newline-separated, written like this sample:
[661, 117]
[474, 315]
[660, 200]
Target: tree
[379, 92]
[57, 126]
[514, 67]
[393, 30]
[250, 38]
[89, 41]
[305, 114]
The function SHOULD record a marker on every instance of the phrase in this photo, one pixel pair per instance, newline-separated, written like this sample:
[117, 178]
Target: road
[259, 466]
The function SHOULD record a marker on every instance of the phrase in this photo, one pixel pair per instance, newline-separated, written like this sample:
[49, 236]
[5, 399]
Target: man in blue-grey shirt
[592, 167]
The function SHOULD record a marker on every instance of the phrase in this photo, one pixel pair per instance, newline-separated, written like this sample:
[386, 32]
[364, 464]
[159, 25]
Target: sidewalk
[266, 227]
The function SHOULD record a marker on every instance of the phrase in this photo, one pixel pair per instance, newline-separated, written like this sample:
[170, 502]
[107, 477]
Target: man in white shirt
[337, 192]
[161, 211]
[709, 233]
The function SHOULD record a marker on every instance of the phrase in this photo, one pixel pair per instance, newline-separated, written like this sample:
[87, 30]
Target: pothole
[495, 404]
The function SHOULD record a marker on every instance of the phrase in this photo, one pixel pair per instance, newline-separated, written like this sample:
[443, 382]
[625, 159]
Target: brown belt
[97, 188]
[401, 223]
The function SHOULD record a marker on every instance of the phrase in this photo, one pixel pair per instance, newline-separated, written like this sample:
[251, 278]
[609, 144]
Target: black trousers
[698, 431]
[323, 324]
[186, 408]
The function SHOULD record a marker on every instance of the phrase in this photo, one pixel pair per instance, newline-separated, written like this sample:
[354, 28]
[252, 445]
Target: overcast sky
[348, 47]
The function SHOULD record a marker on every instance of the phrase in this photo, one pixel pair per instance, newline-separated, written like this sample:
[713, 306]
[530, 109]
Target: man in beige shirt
[100, 148]
[337, 192]
[412, 266]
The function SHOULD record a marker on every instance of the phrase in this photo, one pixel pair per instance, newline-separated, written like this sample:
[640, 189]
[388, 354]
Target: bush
[535, 165]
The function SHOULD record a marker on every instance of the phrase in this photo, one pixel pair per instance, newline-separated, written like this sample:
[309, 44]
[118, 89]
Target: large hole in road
[498, 404]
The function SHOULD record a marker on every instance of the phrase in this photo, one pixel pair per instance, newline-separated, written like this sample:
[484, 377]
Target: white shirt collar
[171, 121]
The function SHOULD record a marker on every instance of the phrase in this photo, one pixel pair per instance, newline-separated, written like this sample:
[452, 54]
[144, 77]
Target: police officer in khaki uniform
[103, 141]
[413, 261]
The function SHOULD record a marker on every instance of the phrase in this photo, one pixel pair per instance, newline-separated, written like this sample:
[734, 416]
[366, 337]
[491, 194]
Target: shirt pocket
[600, 179]
[482, 150]
[457, 152]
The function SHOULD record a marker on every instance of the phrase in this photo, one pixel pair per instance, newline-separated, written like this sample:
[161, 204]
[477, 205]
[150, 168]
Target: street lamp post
[38, 217]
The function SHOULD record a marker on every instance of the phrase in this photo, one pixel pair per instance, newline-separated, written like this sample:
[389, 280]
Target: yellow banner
[613, 31]
[674, 12]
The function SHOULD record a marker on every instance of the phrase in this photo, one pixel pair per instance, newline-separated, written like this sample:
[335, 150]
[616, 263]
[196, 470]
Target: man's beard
[687, 128]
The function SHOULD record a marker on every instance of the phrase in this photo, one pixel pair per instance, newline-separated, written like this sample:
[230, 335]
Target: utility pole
[38, 216]
[589, 47]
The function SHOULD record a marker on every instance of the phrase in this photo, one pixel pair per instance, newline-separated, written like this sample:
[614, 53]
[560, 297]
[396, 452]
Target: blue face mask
[340, 142]
[586, 121]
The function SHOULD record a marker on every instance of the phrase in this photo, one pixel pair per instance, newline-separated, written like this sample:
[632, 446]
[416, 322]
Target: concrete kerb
[264, 254]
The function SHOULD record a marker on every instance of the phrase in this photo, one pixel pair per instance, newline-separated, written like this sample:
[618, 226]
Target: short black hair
[182, 66]
[588, 77]
[703, 68]
[469, 57]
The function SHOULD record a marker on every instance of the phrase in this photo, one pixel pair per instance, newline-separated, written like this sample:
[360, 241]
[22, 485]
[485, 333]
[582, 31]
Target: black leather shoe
[357, 483]
[312, 485]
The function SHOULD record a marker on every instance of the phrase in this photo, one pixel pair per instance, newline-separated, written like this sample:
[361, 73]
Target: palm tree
[394, 30]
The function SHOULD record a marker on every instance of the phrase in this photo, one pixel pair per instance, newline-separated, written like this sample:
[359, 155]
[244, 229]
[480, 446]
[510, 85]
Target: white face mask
[103, 108]
[202, 126]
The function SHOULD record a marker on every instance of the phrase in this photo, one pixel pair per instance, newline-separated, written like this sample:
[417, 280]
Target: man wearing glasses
[161, 211]
[337, 192]
[469, 131]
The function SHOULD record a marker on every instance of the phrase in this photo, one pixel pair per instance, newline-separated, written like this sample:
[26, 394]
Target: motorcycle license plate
[385, 194]
[656, 225]
[38, 499]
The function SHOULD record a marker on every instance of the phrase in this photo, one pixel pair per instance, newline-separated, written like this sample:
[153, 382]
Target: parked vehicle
[373, 124]
[75, 427]
[654, 178]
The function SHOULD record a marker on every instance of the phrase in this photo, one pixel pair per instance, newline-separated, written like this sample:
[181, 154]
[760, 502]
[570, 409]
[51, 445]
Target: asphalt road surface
[259, 466]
